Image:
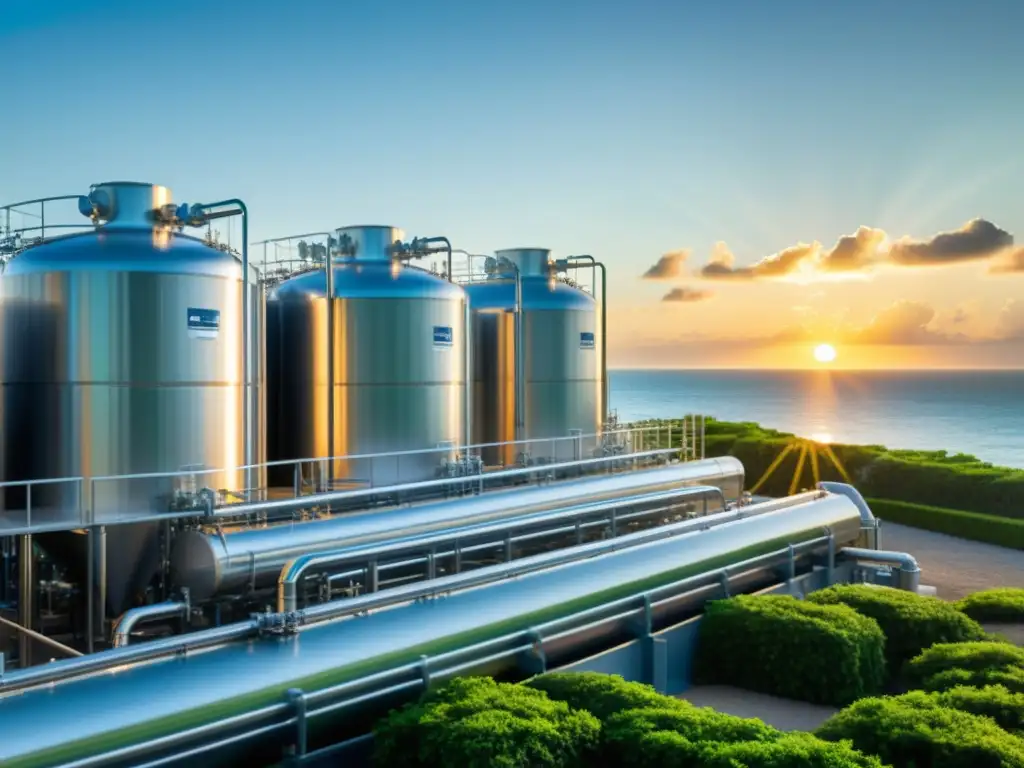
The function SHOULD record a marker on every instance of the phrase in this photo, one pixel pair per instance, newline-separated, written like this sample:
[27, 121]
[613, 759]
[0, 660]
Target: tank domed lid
[529, 261]
[127, 204]
[368, 242]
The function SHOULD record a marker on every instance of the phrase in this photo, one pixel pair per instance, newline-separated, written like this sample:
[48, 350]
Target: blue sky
[623, 129]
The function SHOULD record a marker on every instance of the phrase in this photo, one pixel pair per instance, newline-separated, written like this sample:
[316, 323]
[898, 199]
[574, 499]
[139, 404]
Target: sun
[824, 353]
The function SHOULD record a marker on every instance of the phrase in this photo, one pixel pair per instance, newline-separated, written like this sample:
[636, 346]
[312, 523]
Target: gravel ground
[956, 567]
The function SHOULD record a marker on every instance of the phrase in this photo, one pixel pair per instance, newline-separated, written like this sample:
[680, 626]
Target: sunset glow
[824, 353]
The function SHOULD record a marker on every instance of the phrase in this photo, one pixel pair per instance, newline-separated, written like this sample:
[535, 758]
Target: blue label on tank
[586, 340]
[203, 323]
[443, 336]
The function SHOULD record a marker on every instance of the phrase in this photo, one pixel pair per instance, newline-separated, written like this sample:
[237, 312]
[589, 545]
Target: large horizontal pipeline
[237, 680]
[493, 574]
[211, 564]
[180, 645]
[546, 524]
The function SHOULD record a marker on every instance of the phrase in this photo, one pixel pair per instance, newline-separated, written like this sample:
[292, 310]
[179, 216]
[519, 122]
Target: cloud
[1013, 263]
[854, 252]
[721, 266]
[1010, 325]
[905, 322]
[687, 295]
[668, 266]
[868, 247]
[977, 239]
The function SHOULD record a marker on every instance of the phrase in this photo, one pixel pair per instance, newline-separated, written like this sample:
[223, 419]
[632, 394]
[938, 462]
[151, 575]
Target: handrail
[293, 573]
[299, 502]
[41, 638]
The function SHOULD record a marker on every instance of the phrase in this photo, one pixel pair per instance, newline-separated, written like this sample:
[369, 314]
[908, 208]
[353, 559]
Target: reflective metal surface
[399, 378]
[561, 355]
[121, 354]
[242, 677]
[209, 564]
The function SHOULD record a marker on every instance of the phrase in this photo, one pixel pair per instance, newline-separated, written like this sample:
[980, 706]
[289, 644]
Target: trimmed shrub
[990, 529]
[914, 730]
[996, 701]
[478, 722]
[910, 622]
[1005, 605]
[948, 665]
[673, 738]
[793, 750]
[779, 645]
[601, 695]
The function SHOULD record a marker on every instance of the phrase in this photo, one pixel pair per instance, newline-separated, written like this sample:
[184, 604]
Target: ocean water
[976, 412]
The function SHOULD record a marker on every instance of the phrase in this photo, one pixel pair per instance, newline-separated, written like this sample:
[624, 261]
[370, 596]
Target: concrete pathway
[784, 714]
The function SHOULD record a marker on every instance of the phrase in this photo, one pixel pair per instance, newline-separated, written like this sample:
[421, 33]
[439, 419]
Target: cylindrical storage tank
[399, 364]
[122, 354]
[561, 379]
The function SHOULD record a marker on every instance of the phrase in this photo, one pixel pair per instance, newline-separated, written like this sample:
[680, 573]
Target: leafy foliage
[995, 701]
[478, 722]
[776, 644]
[916, 730]
[656, 738]
[602, 695]
[949, 665]
[994, 605]
[910, 622]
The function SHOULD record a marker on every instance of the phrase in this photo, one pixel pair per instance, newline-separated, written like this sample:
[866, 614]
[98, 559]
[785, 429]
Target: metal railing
[118, 499]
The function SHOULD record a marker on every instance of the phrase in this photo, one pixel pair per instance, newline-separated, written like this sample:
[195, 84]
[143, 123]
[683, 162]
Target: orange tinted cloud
[668, 267]
[687, 295]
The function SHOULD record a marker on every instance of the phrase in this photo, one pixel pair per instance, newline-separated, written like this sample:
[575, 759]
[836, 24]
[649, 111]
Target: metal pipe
[26, 595]
[117, 657]
[132, 618]
[869, 525]
[31, 634]
[909, 577]
[300, 568]
[520, 342]
[467, 405]
[604, 327]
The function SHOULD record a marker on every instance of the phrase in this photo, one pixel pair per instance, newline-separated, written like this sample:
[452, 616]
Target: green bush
[478, 722]
[913, 730]
[966, 525]
[696, 737]
[994, 605]
[996, 701]
[776, 644]
[910, 622]
[601, 695]
[920, 477]
[948, 665]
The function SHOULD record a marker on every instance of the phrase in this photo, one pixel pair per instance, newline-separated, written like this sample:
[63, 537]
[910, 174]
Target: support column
[26, 599]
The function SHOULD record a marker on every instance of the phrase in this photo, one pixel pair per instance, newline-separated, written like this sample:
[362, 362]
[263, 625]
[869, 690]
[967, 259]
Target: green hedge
[1004, 706]
[910, 622]
[913, 730]
[1004, 605]
[478, 722]
[601, 695]
[703, 738]
[966, 525]
[948, 665]
[776, 644]
[936, 478]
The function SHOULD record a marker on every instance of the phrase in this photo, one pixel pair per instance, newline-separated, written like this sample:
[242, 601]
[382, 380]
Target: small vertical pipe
[103, 580]
[468, 402]
[329, 272]
[26, 607]
[520, 377]
[90, 580]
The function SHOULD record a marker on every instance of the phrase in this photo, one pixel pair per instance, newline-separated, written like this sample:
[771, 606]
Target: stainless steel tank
[399, 363]
[561, 378]
[122, 354]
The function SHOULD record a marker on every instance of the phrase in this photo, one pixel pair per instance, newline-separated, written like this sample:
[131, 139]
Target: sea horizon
[970, 411]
